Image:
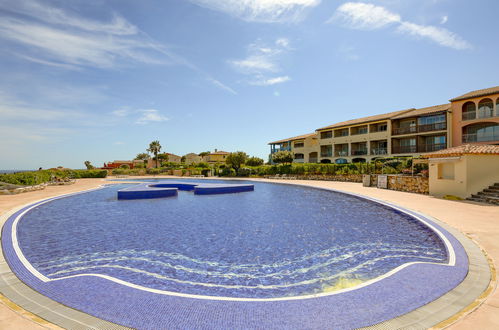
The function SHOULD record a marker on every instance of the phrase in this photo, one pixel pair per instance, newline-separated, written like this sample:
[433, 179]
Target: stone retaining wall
[413, 184]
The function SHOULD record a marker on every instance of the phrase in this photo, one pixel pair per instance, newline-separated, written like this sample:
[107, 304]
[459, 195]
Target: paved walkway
[477, 221]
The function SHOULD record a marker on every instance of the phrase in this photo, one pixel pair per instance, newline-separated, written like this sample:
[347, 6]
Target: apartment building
[470, 118]
[305, 147]
[357, 140]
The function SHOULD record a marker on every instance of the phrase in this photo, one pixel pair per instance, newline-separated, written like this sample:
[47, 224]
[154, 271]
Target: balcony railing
[379, 151]
[431, 147]
[420, 128]
[280, 149]
[327, 154]
[404, 149]
[359, 152]
[341, 153]
[469, 115]
[432, 127]
[312, 160]
[405, 130]
[467, 138]
[480, 114]
[418, 148]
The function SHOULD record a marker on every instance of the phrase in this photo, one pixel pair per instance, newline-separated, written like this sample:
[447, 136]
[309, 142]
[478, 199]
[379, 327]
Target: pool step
[489, 195]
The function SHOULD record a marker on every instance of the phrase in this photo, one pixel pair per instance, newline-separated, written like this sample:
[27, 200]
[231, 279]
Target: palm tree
[155, 148]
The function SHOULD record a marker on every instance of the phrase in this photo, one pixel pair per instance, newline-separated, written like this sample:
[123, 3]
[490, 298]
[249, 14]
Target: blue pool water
[278, 241]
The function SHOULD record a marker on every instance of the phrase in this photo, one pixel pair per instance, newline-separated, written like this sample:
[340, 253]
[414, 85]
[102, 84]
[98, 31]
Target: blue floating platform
[222, 189]
[164, 189]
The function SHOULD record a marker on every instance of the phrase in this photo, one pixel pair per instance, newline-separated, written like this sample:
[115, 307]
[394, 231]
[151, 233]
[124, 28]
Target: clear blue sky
[98, 80]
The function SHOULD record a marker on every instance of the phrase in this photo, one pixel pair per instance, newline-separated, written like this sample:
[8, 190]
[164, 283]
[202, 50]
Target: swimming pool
[279, 243]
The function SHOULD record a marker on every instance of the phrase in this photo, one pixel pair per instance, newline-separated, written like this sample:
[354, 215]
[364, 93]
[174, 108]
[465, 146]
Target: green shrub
[153, 171]
[119, 171]
[244, 171]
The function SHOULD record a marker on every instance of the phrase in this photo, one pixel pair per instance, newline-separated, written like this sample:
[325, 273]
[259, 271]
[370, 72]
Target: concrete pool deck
[475, 220]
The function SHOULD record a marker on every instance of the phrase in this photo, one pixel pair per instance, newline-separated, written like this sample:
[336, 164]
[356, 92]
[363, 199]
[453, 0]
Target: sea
[14, 171]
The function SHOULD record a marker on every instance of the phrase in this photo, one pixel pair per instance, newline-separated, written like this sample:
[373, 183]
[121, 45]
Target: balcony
[469, 138]
[379, 151]
[327, 154]
[469, 115]
[359, 152]
[432, 127]
[420, 128]
[404, 149]
[341, 153]
[431, 147]
[405, 130]
[480, 114]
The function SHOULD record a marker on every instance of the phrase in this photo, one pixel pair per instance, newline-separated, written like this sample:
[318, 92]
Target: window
[299, 156]
[327, 151]
[497, 107]
[407, 142]
[341, 132]
[481, 133]
[429, 120]
[435, 140]
[382, 127]
[326, 135]
[299, 144]
[485, 108]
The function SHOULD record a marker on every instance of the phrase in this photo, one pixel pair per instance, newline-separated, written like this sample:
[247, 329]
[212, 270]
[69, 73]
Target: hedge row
[313, 169]
[39, 177]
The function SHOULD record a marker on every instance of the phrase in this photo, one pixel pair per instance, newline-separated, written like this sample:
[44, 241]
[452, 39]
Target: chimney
[216, 150]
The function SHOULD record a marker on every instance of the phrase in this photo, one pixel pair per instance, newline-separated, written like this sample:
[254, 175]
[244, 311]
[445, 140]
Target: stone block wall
[413, 184]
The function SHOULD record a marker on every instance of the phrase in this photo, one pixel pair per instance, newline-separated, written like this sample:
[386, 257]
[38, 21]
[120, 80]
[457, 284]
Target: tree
[142, 156]
[254, 161]
[182, 160]
[155, 148]
[236, 159]
[89, 165]
[282, 157]
[204, 153]
[163, 157]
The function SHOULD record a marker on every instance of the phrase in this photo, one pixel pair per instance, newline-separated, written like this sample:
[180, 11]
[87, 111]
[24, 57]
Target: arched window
[341, 161]
[481, 133]
[325, 161]
[469, 111]
[485, 108]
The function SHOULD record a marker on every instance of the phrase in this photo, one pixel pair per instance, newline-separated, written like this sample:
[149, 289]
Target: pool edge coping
[469, 291]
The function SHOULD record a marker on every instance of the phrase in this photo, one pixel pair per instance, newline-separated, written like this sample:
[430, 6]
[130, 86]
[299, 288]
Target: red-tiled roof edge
[364, 120]
[299, 137]
[477, 93]
[465, 149]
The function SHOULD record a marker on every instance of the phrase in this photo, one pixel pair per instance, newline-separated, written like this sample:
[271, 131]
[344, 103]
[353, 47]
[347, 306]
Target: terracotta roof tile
[465, 149]
[477, 93]
[365, 119]
[220, 153]
[423, 111]
[294, 138]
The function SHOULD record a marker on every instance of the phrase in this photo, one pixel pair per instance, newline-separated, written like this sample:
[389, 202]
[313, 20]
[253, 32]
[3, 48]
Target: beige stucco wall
[457, 118]
[368, 137]
[310, 144]
[472, 173]
[192, 158]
